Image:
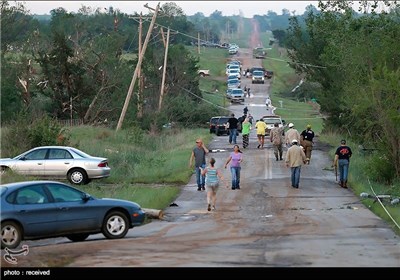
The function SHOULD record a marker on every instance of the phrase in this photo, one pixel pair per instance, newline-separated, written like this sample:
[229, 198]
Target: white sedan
[58, 162]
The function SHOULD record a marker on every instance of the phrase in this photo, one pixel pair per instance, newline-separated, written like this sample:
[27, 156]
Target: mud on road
[266, 223]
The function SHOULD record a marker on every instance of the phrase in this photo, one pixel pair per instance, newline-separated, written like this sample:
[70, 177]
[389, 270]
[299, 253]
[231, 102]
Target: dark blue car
[42, 209]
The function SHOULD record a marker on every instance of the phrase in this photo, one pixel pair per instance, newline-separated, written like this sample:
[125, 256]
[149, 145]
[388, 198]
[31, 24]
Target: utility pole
[141, 55]
[198, 42]
[164, 72]
[140, 89]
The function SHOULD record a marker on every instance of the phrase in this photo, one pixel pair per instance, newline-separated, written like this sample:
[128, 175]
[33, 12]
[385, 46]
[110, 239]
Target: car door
[35, 211]
[31, 163]
[58, 162]
[74, 214]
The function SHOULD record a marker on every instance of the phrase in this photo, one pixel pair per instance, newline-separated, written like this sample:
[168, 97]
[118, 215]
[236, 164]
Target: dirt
[266, 223]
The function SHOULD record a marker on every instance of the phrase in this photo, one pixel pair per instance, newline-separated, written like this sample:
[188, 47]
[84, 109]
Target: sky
[228, 8]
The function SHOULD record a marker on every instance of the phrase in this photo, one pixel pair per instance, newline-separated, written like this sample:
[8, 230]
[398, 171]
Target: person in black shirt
[342, 156]
[306, 141]
[233, 126]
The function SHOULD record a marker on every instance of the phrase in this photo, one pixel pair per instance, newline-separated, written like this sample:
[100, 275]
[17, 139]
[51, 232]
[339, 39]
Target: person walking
[261, 127]
[276, 137]
[291, 135]
[245, 110]
[307, 141]
[246, 127]
[342, 156]
[199, 157]
[295, 156]
[235, 158]
[233, 126]
[213, 178]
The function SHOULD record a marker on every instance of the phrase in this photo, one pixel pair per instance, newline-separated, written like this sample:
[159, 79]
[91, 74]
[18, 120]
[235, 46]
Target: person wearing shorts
[213, 177]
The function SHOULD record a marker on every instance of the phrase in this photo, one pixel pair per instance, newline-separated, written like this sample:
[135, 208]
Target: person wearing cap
[295, 157]
[198, 156]
[307, 141]
[291, 134]
[342, 156]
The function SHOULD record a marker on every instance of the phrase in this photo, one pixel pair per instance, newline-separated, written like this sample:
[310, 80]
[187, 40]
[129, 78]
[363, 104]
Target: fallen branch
[154, 213]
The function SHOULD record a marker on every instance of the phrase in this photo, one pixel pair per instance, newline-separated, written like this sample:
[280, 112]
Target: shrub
[380, 169]
[24, 133]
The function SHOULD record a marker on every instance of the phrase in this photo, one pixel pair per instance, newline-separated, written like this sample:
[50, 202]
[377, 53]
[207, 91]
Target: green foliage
[26, 132]
[355, 61]
[380, 169]
[47, 132]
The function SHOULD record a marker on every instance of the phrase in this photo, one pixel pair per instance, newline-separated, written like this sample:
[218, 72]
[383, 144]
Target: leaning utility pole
[140, 88]
[141, 55]
[164, 72]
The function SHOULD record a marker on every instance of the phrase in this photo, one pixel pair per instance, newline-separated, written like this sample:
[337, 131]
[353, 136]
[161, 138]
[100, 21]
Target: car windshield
[237, 91]
[258, 73]
[271, 121]
[223, 120]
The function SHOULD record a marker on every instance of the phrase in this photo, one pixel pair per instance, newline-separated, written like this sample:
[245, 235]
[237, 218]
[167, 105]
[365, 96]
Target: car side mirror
[22, 158]
[85, 197]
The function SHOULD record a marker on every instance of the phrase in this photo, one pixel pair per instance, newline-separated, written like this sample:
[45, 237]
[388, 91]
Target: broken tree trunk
[154, 213]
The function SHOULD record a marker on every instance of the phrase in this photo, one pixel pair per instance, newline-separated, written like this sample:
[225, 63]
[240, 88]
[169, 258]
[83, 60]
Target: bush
[47, 132]
[380, 169]
[24, 133]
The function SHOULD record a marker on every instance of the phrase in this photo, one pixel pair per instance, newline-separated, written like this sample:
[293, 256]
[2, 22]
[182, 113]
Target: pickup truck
[270, 120]
[203, 72]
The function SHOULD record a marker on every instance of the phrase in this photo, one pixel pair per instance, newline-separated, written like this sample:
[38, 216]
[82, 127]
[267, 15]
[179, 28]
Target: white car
[234, 72]
[57, 162]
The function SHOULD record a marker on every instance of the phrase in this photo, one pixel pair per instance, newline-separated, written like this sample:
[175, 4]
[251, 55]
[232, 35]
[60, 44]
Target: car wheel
[115, 225]
[77, 237]
[77, 176]
[3, 169]
[217, 132]
[11, 235]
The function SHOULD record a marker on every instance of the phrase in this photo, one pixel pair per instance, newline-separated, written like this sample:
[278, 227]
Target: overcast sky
[228, 8]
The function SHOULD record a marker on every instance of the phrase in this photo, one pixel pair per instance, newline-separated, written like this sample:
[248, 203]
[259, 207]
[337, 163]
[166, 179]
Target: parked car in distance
[203, 72]
[218, 125]
[58, 162]
[259, 52]
[42, 209]
[257, 77]
[237, 95]
[233, 83]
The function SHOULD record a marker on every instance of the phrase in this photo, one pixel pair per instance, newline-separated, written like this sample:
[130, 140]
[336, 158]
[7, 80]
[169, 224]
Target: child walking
[213, 177]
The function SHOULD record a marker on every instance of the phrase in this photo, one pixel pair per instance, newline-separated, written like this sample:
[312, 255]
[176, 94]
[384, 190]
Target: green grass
[299, 113]
[136, 158]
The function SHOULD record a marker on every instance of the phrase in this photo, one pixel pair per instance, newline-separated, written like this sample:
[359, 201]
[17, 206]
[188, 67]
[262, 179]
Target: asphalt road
[266, 223]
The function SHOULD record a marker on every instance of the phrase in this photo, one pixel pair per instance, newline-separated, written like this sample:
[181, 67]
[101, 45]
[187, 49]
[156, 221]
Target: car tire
[11, 235]
[115, 225]
[77, 237]
[77, 176]
[3, 169]
[217, 132]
